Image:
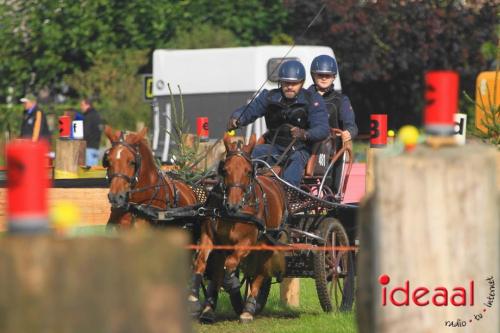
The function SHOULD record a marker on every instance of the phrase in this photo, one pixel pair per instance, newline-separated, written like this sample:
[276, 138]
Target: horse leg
[119, 218]
[208, 314]
[251, 301]
[200, 265]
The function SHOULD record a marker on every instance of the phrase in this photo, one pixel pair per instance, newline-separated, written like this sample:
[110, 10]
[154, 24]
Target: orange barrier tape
[293, 247]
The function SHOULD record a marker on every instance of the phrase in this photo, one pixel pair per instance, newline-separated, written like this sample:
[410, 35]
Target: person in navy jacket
[296, 118]
[323, 72]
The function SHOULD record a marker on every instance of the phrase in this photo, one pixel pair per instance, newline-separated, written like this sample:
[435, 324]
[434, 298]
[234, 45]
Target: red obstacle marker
[202, 128]
[441, 97]
[378, 130]
[64, 127]
[27, 182]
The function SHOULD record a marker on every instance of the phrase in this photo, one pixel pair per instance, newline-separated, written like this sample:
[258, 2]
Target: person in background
[34, 125]
[92, 130]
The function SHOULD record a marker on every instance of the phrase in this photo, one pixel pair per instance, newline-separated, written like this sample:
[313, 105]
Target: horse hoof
[194, 307]
[246, 317]
[207, 316]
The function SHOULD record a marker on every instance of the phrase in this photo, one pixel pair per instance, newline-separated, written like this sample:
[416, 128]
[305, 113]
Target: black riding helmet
[324, 64]
[292, 71]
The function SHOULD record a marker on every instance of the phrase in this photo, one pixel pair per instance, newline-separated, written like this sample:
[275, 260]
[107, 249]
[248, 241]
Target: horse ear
[227, 141]
[251, 144]
[138, 136]
[142, 133]
[110, 133]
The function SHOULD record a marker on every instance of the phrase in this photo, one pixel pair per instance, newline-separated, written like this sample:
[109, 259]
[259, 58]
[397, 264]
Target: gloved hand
[346, 136]
[232, 124]
[298, 133]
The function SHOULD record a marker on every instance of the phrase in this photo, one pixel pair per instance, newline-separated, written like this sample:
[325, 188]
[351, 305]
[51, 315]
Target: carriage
[313, 239]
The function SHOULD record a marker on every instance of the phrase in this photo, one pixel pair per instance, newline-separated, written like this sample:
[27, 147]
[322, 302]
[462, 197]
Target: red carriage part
[378, 130]
[202, 128]
[27, 182]
[64, 126]
[441, 97]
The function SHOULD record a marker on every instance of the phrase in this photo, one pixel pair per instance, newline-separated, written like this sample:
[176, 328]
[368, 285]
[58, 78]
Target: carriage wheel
[334, 271]
[237, 299]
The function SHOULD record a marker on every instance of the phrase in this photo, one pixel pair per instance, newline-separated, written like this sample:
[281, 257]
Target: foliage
[10, 119]
[115, 86]
[203, 36]
[385, 47]
[41, 41]
[186, 154]
[90, 45]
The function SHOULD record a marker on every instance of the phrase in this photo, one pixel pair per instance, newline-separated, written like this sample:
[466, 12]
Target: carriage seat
[321, 155]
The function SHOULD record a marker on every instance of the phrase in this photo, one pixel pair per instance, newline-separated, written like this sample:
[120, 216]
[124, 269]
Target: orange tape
[294, 247]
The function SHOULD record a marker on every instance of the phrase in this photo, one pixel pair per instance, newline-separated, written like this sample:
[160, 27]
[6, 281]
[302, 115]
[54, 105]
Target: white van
[214, 82]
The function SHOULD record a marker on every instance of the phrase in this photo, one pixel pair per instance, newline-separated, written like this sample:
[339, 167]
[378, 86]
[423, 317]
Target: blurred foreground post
[133, 283]
[27, 183]
[432, 221]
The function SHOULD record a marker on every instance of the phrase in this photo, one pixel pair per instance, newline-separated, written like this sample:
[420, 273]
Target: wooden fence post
[133, 283]
[69, 155]
[432, 221]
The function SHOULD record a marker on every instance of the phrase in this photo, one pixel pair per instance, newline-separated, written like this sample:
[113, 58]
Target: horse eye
[132, 162]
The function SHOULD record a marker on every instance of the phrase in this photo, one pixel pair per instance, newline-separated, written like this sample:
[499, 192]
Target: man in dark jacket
[295, 118]
[92, 130]
[34, 125]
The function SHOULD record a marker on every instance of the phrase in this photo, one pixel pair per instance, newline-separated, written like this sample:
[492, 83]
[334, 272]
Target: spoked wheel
[238, 300]
[334, 271]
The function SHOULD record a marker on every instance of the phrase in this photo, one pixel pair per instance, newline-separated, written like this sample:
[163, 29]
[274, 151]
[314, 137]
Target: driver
[296, 119]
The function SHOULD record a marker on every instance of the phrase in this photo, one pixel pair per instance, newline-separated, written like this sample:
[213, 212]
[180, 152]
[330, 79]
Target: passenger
[296, 118]
[323, 72]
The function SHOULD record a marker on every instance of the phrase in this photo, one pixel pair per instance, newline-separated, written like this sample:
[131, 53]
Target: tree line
[66, 49]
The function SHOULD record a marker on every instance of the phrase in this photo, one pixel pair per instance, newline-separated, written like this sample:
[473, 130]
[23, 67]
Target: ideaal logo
[438, 296]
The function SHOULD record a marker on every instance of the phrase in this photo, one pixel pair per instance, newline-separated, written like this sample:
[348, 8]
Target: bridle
[134, 149]
[247, 189]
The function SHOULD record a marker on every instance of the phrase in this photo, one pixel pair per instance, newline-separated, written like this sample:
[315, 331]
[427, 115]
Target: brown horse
[135, 179]
[250, 204]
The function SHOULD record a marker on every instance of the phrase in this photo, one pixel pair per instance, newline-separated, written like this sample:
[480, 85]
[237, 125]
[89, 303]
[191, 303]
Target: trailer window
[272, 68]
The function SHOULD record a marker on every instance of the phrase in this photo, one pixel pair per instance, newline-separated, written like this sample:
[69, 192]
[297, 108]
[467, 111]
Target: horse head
[238, 173]
[123, 162]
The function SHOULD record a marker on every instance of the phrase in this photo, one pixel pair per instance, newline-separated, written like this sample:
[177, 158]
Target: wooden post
[69, 155]
[290, 292]
[433, 221]
[133, 283]
[369, 180]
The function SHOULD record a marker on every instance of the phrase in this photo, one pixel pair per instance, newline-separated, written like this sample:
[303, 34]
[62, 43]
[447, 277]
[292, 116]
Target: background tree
[45, 42]
[385, 47]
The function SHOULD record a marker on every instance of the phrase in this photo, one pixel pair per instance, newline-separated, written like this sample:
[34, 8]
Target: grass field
[308, 318]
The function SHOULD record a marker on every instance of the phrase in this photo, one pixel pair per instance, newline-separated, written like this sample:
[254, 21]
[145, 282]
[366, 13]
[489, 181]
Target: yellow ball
[390, 133]
[408, 135]
[65, 214]
[231, 133]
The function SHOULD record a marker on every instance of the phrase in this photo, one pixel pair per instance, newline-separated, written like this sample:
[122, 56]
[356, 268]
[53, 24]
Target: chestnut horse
[250, 204]
[135, 179]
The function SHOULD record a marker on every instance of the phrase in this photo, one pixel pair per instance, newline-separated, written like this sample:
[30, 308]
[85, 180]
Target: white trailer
[214, 82]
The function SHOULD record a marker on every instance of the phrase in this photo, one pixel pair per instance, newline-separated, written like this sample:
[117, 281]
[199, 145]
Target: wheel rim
[336, 264]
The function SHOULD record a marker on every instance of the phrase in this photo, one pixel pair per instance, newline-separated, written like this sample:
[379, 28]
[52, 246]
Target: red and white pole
[28, 183]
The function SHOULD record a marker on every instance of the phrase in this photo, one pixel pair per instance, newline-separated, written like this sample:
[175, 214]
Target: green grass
[277, 318]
